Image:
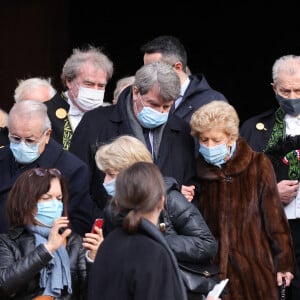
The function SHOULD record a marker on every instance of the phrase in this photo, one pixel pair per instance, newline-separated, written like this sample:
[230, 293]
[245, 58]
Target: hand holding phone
[98, 223]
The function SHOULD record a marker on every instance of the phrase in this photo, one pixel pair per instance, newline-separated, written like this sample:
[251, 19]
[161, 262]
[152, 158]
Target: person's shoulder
[4, 152]
[98, 114]
[199, 87]
[171, 184]
[65, 158]
[177, 123]
[57, 100]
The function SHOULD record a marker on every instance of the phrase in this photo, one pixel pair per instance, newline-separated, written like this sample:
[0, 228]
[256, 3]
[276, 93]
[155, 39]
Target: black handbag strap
[205, 269]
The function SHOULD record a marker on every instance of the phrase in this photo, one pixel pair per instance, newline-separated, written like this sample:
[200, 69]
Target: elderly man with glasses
[31, 146]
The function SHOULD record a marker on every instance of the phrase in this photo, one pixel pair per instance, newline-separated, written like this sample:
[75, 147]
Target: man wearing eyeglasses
[31, 146]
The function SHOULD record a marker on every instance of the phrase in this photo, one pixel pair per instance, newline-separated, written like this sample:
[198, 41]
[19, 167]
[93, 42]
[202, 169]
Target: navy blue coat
[197, 94]
[76, 172]
[176, 157]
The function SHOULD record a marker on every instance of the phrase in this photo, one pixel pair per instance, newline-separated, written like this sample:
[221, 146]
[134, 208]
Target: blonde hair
[216, 114]
[121, 153]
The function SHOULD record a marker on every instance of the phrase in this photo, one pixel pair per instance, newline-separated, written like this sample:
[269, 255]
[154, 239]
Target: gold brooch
[260, 126]
[61, 113]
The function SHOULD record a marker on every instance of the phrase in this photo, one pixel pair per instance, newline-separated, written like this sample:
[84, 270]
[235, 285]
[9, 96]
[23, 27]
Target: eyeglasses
[28, 141]
[43, 172]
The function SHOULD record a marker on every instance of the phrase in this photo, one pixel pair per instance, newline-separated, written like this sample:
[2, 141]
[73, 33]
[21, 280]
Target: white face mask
[89, 99]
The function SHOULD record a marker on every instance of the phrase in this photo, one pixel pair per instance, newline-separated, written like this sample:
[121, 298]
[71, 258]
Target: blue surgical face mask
[48, 211]
[290, 106]
[214, 155]
[25, 154]
[151, 118]
[110, 187]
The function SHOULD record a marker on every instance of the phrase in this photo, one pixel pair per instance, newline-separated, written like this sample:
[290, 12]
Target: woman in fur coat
[240, 203]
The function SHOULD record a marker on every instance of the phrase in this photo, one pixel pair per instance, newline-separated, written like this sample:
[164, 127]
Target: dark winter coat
[176, 155]
[241, 205]
[137, 266]
[21, 262]
[186, 231]
[197, 94]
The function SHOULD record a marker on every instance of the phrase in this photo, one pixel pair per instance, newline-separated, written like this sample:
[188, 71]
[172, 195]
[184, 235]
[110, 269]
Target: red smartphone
[98, 223]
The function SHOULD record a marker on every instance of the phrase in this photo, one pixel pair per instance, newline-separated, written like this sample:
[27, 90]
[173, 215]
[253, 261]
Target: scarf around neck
[56, 275]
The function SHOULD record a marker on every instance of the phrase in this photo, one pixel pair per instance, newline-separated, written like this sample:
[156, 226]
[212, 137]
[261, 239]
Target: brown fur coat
[241, 205]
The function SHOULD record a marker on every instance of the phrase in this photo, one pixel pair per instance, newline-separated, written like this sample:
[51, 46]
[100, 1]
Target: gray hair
[32, 84]
[80, 57]
[28, 110]
[288, 63]
[160, 74]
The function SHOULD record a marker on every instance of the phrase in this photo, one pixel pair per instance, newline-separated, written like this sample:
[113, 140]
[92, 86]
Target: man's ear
[48, 134]
[273, 87]
[178, 66]
[135, 92]
[161, 203]
[68, 83]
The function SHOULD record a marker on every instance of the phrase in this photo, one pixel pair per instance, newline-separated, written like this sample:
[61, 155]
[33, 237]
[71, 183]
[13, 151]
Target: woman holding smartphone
[40, 256]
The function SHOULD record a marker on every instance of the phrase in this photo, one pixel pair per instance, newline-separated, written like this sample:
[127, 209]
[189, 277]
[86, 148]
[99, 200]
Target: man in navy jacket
[195, 90]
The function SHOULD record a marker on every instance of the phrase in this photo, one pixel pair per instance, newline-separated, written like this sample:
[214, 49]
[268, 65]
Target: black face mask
[290, 106]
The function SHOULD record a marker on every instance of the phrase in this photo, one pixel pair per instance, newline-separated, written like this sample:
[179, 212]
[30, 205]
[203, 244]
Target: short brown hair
[27, 190]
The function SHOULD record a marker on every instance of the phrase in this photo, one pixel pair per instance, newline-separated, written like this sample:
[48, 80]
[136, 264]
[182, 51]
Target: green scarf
[68, 131]
[279, 133]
